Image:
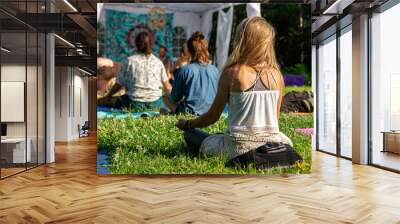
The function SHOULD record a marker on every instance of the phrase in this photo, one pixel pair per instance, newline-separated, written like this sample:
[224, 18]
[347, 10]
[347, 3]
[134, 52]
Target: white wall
[12, 73]
[61, 103]
[70, 83]
[80, 109]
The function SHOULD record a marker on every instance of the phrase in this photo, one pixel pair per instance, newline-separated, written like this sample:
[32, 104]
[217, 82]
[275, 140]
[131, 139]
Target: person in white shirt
[144, 78]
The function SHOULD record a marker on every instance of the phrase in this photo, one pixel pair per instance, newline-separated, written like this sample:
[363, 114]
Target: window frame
[338, 29]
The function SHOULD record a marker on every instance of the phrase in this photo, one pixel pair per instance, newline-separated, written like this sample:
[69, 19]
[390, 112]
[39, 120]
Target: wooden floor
[9, 171]
[70, 191]
[5, 172]
[386, 159]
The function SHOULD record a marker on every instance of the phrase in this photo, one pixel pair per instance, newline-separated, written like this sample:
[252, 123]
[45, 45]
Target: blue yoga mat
[102, 162]
[108, 109]
[108, 112]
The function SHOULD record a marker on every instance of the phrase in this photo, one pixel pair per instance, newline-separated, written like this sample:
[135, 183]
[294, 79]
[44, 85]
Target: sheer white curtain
[224, 29]
[99, 10]
[253, 9]
[206, 24]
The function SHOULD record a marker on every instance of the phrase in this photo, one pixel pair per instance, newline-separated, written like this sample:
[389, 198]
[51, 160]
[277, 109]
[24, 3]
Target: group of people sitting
[150, 83]
[250, 84]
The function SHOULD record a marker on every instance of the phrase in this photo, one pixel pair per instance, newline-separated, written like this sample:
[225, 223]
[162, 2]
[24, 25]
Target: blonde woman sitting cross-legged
[252, 86]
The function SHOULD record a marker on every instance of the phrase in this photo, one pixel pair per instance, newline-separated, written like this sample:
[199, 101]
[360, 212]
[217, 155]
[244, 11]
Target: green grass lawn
[155, 146]
[297, 88]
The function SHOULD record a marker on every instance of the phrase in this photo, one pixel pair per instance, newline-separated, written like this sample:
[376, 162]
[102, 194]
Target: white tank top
[253, 112]
[252, 121]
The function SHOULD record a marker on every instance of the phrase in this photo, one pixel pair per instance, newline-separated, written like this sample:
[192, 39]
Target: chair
[84, 130]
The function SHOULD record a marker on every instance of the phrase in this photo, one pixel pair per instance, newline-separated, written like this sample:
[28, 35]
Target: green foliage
[289, 89]
[292, 23]
[155, 146]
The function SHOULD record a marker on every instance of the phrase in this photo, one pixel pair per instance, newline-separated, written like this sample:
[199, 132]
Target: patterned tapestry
[122, 26]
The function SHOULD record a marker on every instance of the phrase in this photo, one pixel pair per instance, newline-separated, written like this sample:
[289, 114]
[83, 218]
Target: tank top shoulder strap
[259, 85]
[256, 81]
[273, 77]
[251, 88]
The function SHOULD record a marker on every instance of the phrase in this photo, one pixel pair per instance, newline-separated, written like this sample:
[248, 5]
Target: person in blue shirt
[195, 84]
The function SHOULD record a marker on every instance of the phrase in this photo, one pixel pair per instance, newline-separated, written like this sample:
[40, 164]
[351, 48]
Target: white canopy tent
[192, 17]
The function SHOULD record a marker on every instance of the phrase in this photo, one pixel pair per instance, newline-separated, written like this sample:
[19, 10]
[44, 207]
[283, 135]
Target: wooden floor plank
[70, 191]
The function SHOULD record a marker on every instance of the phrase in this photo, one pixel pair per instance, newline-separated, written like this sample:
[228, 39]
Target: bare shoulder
[228, 74]
[273, 78]
[243, 77]
[277, 75]
[238, 72]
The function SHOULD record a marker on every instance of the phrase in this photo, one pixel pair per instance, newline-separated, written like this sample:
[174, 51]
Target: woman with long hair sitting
[252, 85]
[195, 84]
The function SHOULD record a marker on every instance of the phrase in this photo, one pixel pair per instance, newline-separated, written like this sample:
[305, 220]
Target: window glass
[15, 149]
[346, 92]
[385, 84]
[327, 95]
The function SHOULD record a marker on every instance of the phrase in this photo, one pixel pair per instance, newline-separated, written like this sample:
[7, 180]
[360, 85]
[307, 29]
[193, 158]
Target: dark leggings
[193, 139]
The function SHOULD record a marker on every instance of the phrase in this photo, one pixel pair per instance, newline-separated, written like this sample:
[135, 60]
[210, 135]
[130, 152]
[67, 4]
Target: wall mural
[124, 26]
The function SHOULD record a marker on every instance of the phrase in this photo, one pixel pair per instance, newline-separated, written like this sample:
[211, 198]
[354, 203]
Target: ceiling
[15, 42]
[337, 14]
[72, 20]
